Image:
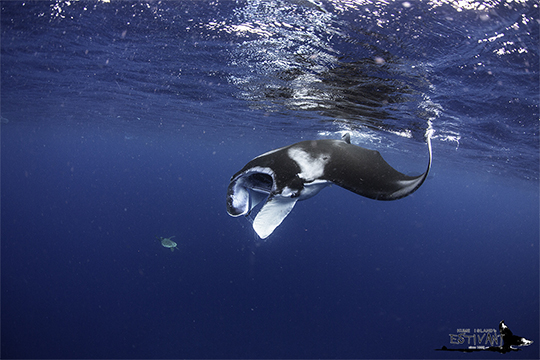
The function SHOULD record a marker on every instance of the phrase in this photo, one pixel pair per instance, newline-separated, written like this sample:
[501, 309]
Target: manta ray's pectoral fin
[407, 187]
[272, 214]
[366, 173]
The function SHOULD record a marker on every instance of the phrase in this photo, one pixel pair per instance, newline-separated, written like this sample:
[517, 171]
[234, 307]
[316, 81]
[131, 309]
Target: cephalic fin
[272, 214]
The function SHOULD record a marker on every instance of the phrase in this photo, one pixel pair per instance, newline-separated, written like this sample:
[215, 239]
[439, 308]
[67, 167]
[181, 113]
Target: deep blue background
[83, 275]
[105, 149]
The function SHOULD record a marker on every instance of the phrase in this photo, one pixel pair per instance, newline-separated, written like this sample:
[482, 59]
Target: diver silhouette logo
[508, 341]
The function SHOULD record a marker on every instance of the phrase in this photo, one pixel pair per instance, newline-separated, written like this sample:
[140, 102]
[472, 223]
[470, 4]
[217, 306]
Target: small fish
[168, 243]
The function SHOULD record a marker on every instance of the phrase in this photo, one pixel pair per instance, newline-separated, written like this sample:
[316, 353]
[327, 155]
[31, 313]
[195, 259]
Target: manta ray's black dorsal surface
[299, 171]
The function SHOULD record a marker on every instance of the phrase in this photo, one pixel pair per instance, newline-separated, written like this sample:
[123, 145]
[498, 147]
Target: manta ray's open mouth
[260, 182]
[247, 189]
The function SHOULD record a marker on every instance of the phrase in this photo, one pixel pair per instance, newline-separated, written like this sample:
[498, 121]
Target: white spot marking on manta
[311, 167]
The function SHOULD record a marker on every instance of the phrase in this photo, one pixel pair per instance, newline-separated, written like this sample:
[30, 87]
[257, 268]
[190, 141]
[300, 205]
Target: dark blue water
[124, 121]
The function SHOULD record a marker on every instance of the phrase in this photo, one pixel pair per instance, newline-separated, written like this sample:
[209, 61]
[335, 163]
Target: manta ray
[283, 176]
